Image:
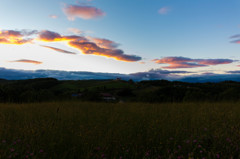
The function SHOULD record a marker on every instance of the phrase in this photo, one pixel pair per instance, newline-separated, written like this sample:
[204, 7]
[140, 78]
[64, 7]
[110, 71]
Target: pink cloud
[164, 10]
[75, 31]
[184, 62]
[84, 12]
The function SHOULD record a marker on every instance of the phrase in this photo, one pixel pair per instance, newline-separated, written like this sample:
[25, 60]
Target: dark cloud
[184, 62]
[82, 11]
[12, 74]
[156, 74]
[59, 50]
[234, 72]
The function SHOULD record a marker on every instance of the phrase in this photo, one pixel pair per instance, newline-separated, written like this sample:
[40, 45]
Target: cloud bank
[12, 74]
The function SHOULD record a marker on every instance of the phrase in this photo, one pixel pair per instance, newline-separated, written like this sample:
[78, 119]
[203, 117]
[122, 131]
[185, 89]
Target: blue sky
[121, 36]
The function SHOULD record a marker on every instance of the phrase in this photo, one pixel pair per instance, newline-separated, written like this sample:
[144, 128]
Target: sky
[142, 37]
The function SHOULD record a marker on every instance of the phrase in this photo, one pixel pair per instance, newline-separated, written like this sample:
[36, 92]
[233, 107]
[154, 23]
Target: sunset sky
[121, 36]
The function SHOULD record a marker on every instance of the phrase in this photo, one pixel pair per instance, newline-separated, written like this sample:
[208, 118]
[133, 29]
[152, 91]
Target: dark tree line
[50, 89]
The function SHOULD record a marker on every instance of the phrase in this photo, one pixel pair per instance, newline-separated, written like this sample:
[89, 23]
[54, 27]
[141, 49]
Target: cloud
[158, 74]
[234, 72]
[164, 10]
[105, 43]
[75, 31]
[50, 36]
[236, 41]
[184, 62]
[15, 37]
[155, 74]
[94, 49]
[59, 50]
[53, 16]
[235, 36]
[28, 61]
[84, 12]
[13, 74]
[94, 46]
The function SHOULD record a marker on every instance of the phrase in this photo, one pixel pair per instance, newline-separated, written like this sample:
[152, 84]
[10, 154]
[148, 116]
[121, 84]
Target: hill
[50, 89]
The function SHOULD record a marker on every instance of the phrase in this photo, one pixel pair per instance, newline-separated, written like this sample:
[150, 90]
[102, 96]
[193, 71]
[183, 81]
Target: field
[85, 130]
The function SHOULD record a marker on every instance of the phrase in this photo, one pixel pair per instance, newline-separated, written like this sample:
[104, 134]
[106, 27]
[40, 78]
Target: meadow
[86, 130]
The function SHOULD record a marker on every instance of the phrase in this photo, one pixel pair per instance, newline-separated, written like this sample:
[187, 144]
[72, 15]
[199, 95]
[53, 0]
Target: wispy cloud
[59, 50]
[83, 12]
[164, 10]
[28, 61]
[184, 62]
[53, 16]
[75, 31]
[236, 37]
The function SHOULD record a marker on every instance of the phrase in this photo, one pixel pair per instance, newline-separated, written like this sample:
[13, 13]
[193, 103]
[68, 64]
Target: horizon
[151, 40]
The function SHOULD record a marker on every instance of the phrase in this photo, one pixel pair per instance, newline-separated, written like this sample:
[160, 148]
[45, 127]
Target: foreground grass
[73, 130]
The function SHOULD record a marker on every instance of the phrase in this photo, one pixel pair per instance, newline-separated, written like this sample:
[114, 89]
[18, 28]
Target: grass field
[72, 130]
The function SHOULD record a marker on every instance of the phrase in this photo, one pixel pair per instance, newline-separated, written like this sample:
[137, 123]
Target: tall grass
[71, 130]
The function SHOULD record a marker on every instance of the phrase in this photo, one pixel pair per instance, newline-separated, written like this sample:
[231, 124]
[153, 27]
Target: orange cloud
[49, 36]
[84, 12]
[105, 43]
[28, 61]
[101, 47]
[94, 46]
[14, 37]
[59, 50]
[94, 49]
